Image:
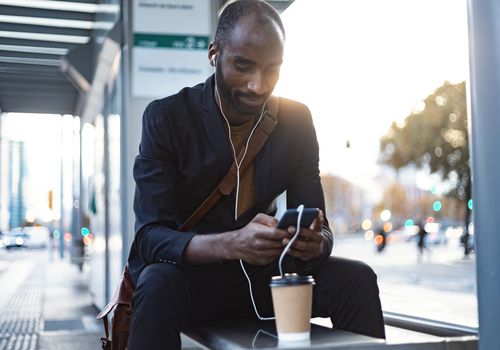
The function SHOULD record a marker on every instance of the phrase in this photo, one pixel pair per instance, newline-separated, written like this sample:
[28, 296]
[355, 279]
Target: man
[422, 240]
[189, 141]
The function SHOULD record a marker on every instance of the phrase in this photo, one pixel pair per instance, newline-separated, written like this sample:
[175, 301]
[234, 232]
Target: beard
[232, 96]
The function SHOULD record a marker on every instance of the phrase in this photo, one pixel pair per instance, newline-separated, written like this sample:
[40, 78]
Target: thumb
[317, 224]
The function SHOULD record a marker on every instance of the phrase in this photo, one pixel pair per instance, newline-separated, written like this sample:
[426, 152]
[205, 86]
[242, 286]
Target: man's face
[248, 66]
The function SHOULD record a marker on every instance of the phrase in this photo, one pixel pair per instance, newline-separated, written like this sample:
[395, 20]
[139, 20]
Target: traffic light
[50, 199]
[85, 231]
[409, 222]
[437, 205]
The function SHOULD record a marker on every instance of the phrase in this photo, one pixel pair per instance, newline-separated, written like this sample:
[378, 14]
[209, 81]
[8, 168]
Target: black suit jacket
[183, 155]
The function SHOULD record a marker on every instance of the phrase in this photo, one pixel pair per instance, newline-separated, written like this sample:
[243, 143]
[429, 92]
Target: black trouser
[168, 298]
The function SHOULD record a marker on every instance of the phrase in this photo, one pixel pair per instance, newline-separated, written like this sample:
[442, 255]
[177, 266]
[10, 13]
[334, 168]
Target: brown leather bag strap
[123, 295]
[106, 326]
[228, 182]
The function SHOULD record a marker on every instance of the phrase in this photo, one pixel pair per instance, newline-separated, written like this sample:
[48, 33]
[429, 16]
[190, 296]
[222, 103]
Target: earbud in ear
[213, 60]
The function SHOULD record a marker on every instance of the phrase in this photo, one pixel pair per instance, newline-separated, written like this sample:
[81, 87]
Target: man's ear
[212, 53]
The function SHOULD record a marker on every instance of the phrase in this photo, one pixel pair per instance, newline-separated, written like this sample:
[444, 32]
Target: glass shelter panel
[386, 83]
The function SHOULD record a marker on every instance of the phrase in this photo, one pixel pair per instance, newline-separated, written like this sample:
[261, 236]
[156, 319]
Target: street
[441, 287]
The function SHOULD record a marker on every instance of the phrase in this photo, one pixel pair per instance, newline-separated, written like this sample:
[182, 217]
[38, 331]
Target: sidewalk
[47, 306]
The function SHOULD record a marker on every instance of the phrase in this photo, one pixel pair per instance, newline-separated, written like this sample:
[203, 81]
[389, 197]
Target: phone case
[290, 216]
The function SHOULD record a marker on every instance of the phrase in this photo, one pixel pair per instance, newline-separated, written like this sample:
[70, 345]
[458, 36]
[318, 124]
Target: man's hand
[309, 244]
[259, 242]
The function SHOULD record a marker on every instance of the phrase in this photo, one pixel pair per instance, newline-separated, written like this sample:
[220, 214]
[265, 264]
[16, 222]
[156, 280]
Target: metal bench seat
[243, 334]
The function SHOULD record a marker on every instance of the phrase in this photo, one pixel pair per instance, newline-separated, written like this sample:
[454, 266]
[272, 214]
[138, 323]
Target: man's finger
[269, 244]
[297, 254]
[318, 222]
[309, 235]
[267, 220]
[300, 245]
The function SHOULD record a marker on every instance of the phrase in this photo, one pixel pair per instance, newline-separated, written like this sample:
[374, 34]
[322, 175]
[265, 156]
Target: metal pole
[484, 48]
[1, 170]
[61, 224]
[124, 115]
[107, 274]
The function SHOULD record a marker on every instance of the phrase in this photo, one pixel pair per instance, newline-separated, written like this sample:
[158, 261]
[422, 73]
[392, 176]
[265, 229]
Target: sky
[358, 64]
[361, 64]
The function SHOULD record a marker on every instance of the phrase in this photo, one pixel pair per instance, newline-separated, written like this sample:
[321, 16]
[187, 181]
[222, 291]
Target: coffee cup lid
[290, 279]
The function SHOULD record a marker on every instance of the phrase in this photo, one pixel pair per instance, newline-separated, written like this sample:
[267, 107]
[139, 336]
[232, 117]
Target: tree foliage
[436, 137]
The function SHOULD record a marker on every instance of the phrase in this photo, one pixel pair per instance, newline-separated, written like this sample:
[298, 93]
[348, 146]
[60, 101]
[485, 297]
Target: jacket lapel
[214, 128]
[262, 170]
[263, 160]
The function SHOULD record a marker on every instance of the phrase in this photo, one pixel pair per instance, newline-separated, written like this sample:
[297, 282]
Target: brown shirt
[239, 136]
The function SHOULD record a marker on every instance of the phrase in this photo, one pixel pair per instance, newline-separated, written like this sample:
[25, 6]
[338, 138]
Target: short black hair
[233, 11]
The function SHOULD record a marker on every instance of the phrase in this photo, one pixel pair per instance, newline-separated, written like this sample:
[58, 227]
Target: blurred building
[16, 169]
[346, 204]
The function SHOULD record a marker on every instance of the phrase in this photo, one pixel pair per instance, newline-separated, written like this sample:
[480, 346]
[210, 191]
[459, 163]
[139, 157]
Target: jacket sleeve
[305, 187]
[155, 173]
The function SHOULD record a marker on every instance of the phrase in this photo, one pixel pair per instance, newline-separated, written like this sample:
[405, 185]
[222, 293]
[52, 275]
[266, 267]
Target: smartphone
[290, 217]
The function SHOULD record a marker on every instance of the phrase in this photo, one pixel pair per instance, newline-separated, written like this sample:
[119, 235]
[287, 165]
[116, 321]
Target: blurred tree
[435, 137]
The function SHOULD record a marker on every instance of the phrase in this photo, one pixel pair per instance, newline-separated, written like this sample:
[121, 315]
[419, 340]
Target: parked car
[437, 237]
[38, 236]
[410, 232]
[15, 238]
[28, 237]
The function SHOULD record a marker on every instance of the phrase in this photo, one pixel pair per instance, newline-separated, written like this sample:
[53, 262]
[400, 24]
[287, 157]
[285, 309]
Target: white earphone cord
[280, 262]
[238, 164]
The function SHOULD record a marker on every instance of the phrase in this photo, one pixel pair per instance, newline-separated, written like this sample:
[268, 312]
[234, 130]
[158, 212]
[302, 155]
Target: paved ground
[442, 286]
[45, 303]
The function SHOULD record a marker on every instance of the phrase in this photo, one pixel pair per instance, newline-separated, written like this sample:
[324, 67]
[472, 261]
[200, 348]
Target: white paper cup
[292, 302]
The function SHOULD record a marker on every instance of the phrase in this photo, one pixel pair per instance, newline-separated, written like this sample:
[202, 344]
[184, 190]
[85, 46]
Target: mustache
[250, 95]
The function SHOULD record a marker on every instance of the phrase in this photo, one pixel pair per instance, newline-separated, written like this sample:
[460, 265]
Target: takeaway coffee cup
[292, 301]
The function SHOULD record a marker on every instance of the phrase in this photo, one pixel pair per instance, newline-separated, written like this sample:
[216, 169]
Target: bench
[243, 334]
[252, 334]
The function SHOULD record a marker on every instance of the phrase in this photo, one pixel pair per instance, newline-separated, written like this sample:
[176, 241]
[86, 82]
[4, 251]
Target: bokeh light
[436, 206]
[385, 215]
[387, 227]
[369, 235]
[366, 224]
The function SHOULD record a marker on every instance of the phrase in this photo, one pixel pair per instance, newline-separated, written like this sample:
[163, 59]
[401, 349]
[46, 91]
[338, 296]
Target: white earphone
[213, 62]
[238, 163]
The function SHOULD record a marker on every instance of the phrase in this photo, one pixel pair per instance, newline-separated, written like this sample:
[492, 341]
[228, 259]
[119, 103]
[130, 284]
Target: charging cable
[300, 209]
